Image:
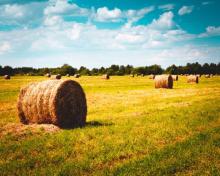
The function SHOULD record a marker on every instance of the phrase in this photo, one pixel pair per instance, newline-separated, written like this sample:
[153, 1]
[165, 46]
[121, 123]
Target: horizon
[49, 33]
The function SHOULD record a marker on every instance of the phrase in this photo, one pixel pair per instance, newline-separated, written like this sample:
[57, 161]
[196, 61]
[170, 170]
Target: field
[132, 129]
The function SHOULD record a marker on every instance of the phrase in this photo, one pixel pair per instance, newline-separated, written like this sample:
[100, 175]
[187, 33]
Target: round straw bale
[164, 81]
[68, 75]
[132, 75]
[77, 75]
[58, 102]
[7, 77]
[175, 77]
[106, 76]
[207, 76]
[192, 79]
[48, 75]
[151, 76]
[58, 76]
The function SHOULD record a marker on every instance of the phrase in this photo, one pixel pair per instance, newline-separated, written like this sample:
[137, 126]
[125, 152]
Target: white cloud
[62, 7]
[165, 21]
[53, 20]
[4, 47]
[185, 10]
[211, 31]
[166, 7]
[104, 14]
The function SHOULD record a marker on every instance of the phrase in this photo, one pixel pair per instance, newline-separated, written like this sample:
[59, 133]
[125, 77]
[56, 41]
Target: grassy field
[132, 129]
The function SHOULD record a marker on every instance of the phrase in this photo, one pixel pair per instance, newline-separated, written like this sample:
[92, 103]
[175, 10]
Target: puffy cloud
[53, 20]
[185, 10]
[165, 21]
[166, 7]
[104, 14]
[20, 14]
[62, 7]
[4, 47]
[211, 31]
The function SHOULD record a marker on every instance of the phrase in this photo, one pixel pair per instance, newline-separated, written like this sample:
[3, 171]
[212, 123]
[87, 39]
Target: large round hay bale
[77, 75]
[58, 102]
[207, 76]
[106, 76]
[151, 76]
[7, 77]
[164, 81]
[48, 75]
[192, 79]
[58, 76]
[175, 77]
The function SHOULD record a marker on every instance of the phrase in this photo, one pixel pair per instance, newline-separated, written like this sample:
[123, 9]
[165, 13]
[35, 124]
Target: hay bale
[175, 77]
[58, 102]
[77, 75]
[132, 75]
[48, 75]
[192, 79]
[152, 76]
[68, 75]
[106, 76]
[7, 77]
[207, 76]
[164, 81]
[58, 76]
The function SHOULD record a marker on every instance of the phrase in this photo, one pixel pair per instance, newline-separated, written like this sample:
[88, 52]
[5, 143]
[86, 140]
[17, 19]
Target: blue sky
[49, 33]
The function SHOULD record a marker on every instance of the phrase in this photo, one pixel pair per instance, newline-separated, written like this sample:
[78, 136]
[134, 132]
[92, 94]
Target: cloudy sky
[94, 33]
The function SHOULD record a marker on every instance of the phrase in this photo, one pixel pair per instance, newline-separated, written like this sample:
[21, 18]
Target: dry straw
[192, 79]
[164, 81]
[175, 77]
[7, 77]
[106, 76]
[58, 102]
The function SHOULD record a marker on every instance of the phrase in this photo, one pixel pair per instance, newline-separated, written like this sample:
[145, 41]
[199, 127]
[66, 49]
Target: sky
[95, 33]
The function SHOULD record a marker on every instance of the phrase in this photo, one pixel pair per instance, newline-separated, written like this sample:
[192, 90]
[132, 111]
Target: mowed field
[132, 129]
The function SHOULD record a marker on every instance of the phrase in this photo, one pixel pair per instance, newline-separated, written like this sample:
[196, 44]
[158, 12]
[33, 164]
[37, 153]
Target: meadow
[132, 129]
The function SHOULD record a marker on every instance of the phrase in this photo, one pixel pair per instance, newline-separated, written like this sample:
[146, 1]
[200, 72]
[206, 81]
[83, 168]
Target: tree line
[189, 68]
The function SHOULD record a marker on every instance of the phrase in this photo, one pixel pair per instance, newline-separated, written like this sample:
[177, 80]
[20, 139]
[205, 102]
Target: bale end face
[62, 103]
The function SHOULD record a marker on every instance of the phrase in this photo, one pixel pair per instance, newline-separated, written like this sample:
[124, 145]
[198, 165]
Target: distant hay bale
[68, 75]
[164, 81]
[106, 76]
[199, 75]
[77, 75]
[7, 77]
[48, 75]
[58, 76]
[142, 75]
[175, 77]
[207, 76]
[132, 75]
[192, 79]
[152, 76]
[58, 102]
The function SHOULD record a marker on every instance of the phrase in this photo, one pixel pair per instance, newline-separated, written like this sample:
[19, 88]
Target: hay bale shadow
[97, 124]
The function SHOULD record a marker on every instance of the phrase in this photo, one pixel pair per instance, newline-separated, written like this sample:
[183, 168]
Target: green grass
[132, 129]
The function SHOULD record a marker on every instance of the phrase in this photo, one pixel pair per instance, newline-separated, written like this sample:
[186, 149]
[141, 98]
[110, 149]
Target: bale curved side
[164, 81]
[62, 103]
